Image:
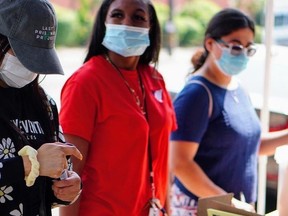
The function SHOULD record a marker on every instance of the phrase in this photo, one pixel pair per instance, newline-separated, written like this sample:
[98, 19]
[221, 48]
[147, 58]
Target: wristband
[35, 166]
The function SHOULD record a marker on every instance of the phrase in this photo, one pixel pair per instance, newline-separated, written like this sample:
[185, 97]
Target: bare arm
[189, 172]
[192, 176]
[83, 146]
[270, 141]
[170, 178]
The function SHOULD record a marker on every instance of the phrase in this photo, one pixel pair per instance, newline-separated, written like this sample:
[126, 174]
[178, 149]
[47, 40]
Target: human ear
[209, 44]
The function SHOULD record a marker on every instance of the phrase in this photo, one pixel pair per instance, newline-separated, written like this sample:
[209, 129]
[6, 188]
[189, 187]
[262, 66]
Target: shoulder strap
[52, 113]
[209, 95]
[53, 117]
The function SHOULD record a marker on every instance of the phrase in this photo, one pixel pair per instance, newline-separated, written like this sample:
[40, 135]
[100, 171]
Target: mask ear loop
[42, 78]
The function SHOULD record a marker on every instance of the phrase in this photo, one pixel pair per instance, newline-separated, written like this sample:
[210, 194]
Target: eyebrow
[239, 42]
[121, 10]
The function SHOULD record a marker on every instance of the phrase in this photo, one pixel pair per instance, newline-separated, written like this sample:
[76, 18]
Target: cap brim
[37, 60]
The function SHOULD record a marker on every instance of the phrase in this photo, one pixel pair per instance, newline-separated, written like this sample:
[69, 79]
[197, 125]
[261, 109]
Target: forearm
[270, 141]
[83, 147]
[71, 210]
[195, 180]
[167, 202]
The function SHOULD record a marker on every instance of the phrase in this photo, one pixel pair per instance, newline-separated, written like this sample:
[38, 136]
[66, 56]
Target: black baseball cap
[31, 26]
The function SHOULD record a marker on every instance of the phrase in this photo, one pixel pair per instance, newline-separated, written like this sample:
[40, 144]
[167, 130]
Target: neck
[127, 63]
[214, 75]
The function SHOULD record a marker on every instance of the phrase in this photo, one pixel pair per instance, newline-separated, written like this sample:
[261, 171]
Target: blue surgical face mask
[126, 40]
[232, 64]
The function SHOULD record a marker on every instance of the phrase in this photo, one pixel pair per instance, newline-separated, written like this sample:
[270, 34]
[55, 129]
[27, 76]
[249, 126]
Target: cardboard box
[221, 206]
[213, 212]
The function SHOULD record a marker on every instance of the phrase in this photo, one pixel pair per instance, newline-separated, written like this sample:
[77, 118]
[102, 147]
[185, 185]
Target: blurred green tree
[192, 19]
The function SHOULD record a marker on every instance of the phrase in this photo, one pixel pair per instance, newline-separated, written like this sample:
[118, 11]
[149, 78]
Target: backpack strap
[208, 92]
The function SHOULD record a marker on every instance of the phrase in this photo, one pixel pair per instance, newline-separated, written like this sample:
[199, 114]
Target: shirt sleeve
[10, 171]
[78, 110]
[170, 104]
[191, 107]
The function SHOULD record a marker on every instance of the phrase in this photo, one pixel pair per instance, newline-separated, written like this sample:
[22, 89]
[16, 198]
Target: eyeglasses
[238, 49]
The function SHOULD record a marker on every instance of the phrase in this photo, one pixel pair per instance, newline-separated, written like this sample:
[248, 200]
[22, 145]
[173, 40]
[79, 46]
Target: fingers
[70, 149]
[69, 189]
[72, 179]
[53, 158]
[56, 170]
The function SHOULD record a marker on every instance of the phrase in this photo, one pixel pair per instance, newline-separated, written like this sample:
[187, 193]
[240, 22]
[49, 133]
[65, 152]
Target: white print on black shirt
[30, 128]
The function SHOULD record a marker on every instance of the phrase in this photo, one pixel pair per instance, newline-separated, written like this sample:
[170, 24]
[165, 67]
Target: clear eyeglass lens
[239, 49]
[251, 51]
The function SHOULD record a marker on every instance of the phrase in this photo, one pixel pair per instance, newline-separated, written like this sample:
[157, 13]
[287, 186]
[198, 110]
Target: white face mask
[14, 74]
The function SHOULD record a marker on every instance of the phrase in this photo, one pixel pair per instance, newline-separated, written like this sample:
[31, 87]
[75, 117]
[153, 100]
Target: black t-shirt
[20, 113]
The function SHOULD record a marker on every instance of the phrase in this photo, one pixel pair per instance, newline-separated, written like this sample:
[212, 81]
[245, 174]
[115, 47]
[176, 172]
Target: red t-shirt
[98, 106]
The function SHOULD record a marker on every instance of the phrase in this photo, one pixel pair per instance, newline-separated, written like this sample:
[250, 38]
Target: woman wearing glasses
[214, 150]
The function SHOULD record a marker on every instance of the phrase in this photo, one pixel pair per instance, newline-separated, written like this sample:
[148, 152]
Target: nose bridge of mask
[128, 34]
[126, 27]
[226, 51]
